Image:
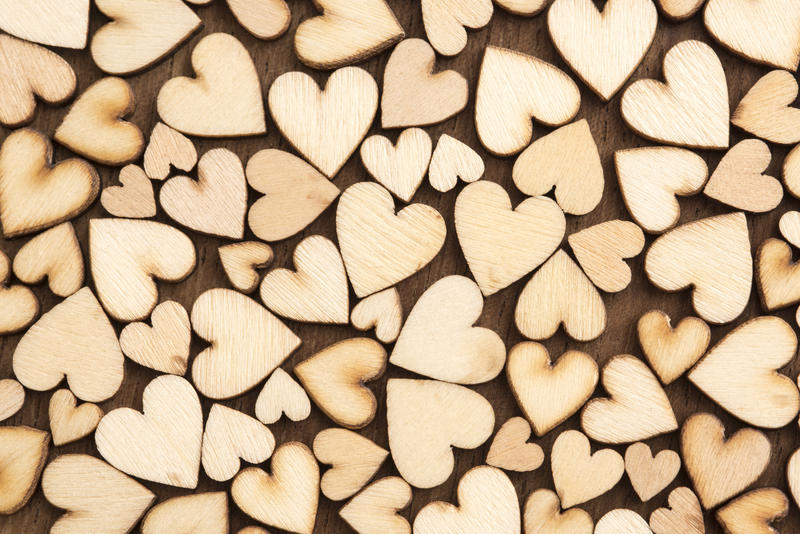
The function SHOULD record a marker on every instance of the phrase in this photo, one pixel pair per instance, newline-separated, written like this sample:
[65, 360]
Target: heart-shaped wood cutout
[690, 109]
[648, 473]
[603, 47]
[69, 422]
[510, 449]
[601, 249]
[266, 20]
[789, 225]
[524, 8]
[426, 419]
[559, 293]
[282, 395]
[49, 22]
[55, 254]
[223, 100]
[230, 435]
[579, 475]
[512, 89]
[412, 94]
[740, 373]
[334, 379]
[354, 460]
[445, 22]
[622, 520]
[381, 247]
[295, 194]
[699, 254]
[288, 498]
[234, 363]
[791, 172]
[754, 512]
[793, 475]
[12, 397]
[679, 10]
[776, 274]
[543, 515]
[198, 513]
[34, 194]
[325, 125]
[672, 351]
[23, 452]
[164, 346]
[382, 311]
[133, 199]
[766, 112]
[502, 244]
[739, 179]
[168, 147]
[399, 168]
[163, 442]
[452, 160]
[241, 261]
[19, 304]
[374, 510]
[87, 353]
[684, 515]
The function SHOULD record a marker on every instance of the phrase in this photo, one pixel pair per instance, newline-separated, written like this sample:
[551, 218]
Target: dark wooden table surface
[528, 35]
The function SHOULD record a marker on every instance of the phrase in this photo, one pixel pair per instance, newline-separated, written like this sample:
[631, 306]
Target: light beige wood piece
[452, 160]
[426, 419]
[382, 311]
[579, 475]
[684, 515]
[346, 33]
[559, 293]
[295, 194]
[223, 100]
[264, 19]
[334, 379]
[282, 395]
[793, 475]
[12, 397]
[412, 94]
[134, 198]
[637, 407]
[229, 436]
[325, 126]
[49, 22]
[55, 254]
[754, 512]
[253, 530]
[241, 262]
[126, 256]
[602, 47]
[767, 31]
[162, 443]
[650, 474]
[200, 513]
[702, 254]
[317, 291]
[524, 8]
[70, 422]
[601, 249]
[374, 510]
[789, 225]
[721, 467]
[543, 515]
[34, 194]
[487, 502]
[622, 520]
[791, 172]
[740, 373]
[86, 352]
[650, 178]
[27, 71]
[672, 351]
[381, 247]
[766, 111]
[446, 22]
[163, 346]
[400, 168]
[168, 147]
[23, 452]
[234, 363]
[94, 126]
[514, 88]
[510, 449]
[18, 304]
[97, 497]
[568, 160]
[679, 10]
[690, 108]
[501, 243]
[354, 460]
[549, 393]
[776, 274]
[286, 499]
[739, 180]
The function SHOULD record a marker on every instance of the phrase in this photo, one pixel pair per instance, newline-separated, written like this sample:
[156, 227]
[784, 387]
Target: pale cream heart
[18, 304]
[452, 160]
[510, 448]
[684, 515]
[776, 274]
[49, 22]
[793, 475]
[739, 180]
[679, 10]
[163, 346]
[230, 435]
[198, 513]
[374, 510]
[754, 512]
[672, 351]
[168, 147]
[241, 261]
[23, 452]
[134, 198]
[789, 225]
[650, 474]
[601, 249]
[381, 310]
[445, 22]
[12, 397]
[55, 254]
[282, 395]
[622, 520]
[579, 475]
[399, 168]
[525, 8]
[543, 515]
[766, 111]
[439, 341]
[268, 19]
[69, 422]
[354, 460]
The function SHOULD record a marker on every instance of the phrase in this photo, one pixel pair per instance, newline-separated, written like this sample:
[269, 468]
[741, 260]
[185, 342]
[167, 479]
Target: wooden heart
[524, 8]
[380, 247]
[287, 499]
[334, 379]
[622, 520]
[679, 10]
[672, 351]
[382, 311]
[163, 442]
[69, 422]
[126, 256]
[412, 94]
[164, 346]
[776, 274]
[568, 160]
[399, 168]
[684, 515]
[426, 419]
[559, 293]
[601, 249]
[793, 475]
[452, 160]
[789, 225]
[651, 177]
[55, 254]
[740, 373]
[766, 112]
[34, 194]
[650, 474]
[690, 109]
[295, 194]
[502, 244]
[325, 125]
[754, 512]
[317, 291]
[697, 254]
[19, 304]
[739, 181]
[223, 100]
[440, 341]
[579, 475]
[543, 515]
[199, 513]
[374, 510]
[548, 393]
[510, 449]
[282, 395]
[229, 436]
[354, 460]
[346, 33]
[168, 147]
[23, 452]
[241, 261]
[445, 22]
[49, 22]
[134, 198]
[512, 89]
[791, 172]
[265, 20]
[234, 363]
[86, 352]
[602, 47]
[94, 126]
[12, 397]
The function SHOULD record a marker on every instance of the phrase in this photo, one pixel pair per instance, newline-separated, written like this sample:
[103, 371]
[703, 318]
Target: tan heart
[510, 449]
[525, 8]
[382, 311]
[282, 395]
[134, 198]
[684, 517]
[754, 512]
[452, 160]
[791, 172]
[23, 452]
[579, 475]
[69, 422]
[601, 249]
[793, 475]
[55, 254]
[164, 346]
[399, 168]
[168, 147]
[49, 22]
[789, 225]
[12, 397]
[678, 10]
[622, 520]
[543, 515]
[199, 513]
[19, 304]
[776, 274]
[266, 20]
[766, 112]
[241, 261]
[230, 435]
[374, 510]
[650, 474]
[738, 180]
[354, 460]
[672, 351]
[445, 22]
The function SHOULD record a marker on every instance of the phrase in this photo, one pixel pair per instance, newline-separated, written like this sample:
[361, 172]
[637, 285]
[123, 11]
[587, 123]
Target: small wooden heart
[241, 261]
[374, 510]
[230, 435]
[672, 351]
[164, 346]
[282, 395]
[399, 168]
[166, 148]
[446, 22]
[738, 180]
[69, 422]
[133, 199]
[766, 112]
[23, 452]
[579, 475]
[684, 515]
[650, 474]
[510, 449]
[382, 311]
[754, 512]
[543, 515]
[354, 460]
[601, 249]
[452, 160]
[198, 513]
[12, 397]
